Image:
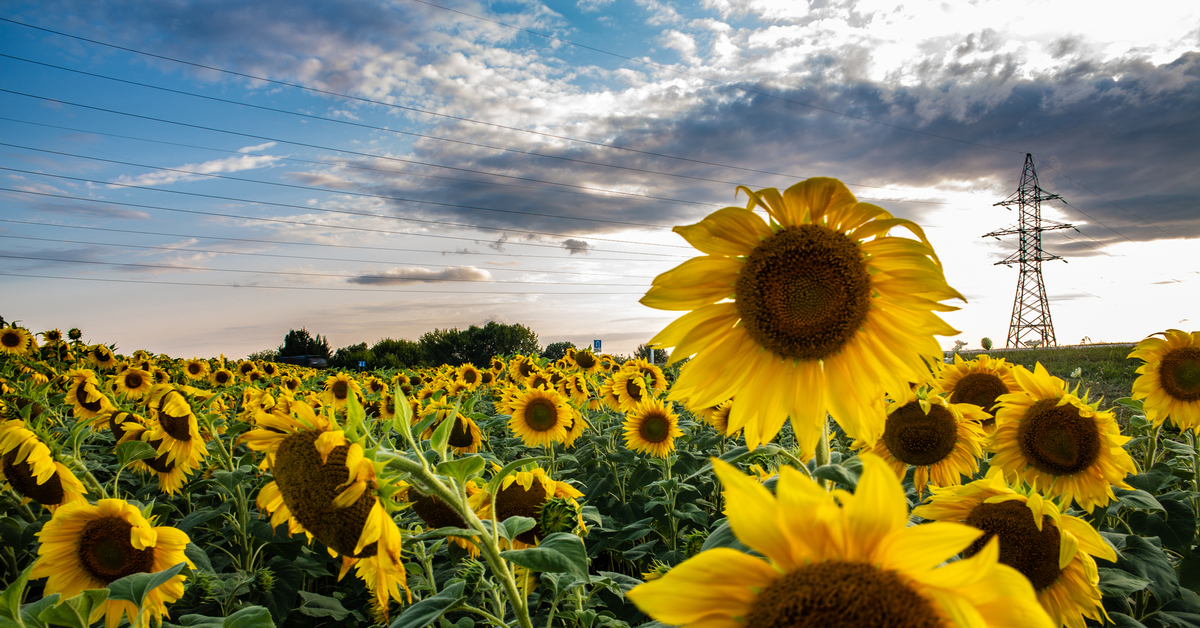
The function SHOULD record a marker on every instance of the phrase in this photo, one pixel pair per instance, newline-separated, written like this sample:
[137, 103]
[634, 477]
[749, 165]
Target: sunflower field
[806, 458]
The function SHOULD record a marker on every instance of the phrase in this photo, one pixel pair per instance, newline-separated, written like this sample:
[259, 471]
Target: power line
[330, 211]
[327, 191]
[282, 221]
[1102, 197]
[458, 118]
[315, 288]
[176, 249]
[302, 274]
[294, 243]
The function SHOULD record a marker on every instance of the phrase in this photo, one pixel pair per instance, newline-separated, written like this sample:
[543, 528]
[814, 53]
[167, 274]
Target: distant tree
[397, 354]
[556, 350]
[349, 357]
[266, 355]
[660, 355]
[477, 344]
[302, 343]
[443, 346]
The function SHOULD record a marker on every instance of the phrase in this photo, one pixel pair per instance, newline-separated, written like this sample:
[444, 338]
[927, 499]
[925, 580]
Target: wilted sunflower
[1053, 550]
[979, 381]
[15, 341]
[1058, 443]
[540, 417]
[837, 559]
[651, 428]
[943, 440]
[89, 547]
[338, 389]
[827, 314]
[326, 487]
[1169, 381]
[134, 383]
[28, 466]
[530, 493]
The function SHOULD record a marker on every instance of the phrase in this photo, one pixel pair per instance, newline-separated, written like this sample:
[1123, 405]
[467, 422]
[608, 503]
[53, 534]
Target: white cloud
[256, 148]
[193, 172]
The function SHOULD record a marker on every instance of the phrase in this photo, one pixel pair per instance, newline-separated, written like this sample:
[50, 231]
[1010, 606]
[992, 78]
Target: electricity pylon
[1031, 310]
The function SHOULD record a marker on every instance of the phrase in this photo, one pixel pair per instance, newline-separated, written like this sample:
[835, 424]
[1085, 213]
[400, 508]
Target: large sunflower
[943, 440]
[28, 466]
[90, 547]
[84, 395]
[326, 487]
[817, 312]
[176, 426]
[1053, 550]
[541, 417]
[651, 428]
[15, 341]
[1169, 381]
[838, 560]
[1058, 443]
[979, 381]
[629, 389]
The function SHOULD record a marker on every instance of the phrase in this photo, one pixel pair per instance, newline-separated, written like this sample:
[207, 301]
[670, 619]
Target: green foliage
[556, 350]
[477, 344]
[986, 343]
[302, 343]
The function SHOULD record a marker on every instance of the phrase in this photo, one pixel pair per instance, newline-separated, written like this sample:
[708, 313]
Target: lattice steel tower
[1031, 310]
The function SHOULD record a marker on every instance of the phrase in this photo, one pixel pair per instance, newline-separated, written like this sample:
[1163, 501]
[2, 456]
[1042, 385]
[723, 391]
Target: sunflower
[291, 382]
[837, 559]
[539, 379]
[326, 487]
[468, 376]
[1058, 443]
[629, 389]
[269, 369]
[52, 335]
[827, 314]
[653, 375]
[221, 378]
[979, 381]
[651, 428]
[15, 341]
[84, 394]
[435, 513]
[28, 466]
[540, 417]
[465, 436]
[718, 417]
[585, 361]
[134, 383]
[1053, 550]
[175, 426]
[534, 494]
[1169, 381]
[943, 440]
[101, 357]
[90, 547]
[338, 388]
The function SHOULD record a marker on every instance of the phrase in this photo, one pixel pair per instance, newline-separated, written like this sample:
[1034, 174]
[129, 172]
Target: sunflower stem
[1151, 449]
[822, 453]
[90, 480]
[492, 619]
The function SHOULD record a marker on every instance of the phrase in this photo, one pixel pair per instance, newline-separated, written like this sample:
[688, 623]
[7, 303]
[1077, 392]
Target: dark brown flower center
[435, 512]
[1179, 373]
[106, 553]
[133, 381]
[340, 389]
[916, 438]
[11, 339]
[1023, 547]
[20, 477]
[804, 292]
[309, 487]
[980, 389]
[1057, 440]
[633, 389]
[160, 464]
[470, 376]
[193, 368]
[460, 435]
[222, 377]
[842, 595]
[541, 414]
[585, 359]
[515, 501]
[655, 427]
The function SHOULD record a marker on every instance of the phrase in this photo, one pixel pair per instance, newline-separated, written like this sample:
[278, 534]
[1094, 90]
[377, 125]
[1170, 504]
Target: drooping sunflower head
[828, 312]
[1169, 381]
[15, 341]
[629, 389]
[943, 440]
[838, 559]
[652, 427]
[29, 468]
[84, 394]
[541, 417]
[101, 357]
[980, 381]
[1054, 551]
[526, 493]
[1058, 443]
[585, 361]
[89, 547]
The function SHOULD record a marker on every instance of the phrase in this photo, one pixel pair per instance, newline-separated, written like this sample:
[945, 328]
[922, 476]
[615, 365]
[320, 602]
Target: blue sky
[523, 161]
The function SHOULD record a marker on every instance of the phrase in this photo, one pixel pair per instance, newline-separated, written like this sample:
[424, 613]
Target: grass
[1103, 369]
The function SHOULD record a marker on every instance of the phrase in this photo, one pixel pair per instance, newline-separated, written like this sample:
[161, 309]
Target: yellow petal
[751, 510]
[720, 581]
[877, 508]
[925, 546]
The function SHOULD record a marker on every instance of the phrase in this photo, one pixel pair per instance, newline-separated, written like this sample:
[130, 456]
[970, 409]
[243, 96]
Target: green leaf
[1132, 404]
[30, 612]
[1189, 572]
[427, 611]
[1153, 480]
[355, 415]
[402, 422]
[77, 611]
[1177, 447]
[1142, 558]
[13, 595]
[1175, 525]
[249, 617]
[558, 553]
[1137, 499]
[1120, 583]
[440, 533]
[462, 469]
[201, 516]
[230, 479]
[511, 527]
[723, 537]
[134, 588]
[1121, 620]
[193, 553]
[441, 436]
[317, 605]
[836, 473]
[134, 450]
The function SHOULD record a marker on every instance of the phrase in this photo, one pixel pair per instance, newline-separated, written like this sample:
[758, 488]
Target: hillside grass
[1104, 369]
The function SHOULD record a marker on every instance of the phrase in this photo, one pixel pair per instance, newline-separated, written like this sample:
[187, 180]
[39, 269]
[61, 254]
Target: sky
[198, 178]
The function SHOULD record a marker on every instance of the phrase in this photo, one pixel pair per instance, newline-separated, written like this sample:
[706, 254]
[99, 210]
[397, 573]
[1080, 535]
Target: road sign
[362, 364]
[596, 346]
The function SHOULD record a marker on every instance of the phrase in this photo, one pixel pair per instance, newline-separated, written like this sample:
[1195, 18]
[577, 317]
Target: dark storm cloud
[405, 276]
[580, 247]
